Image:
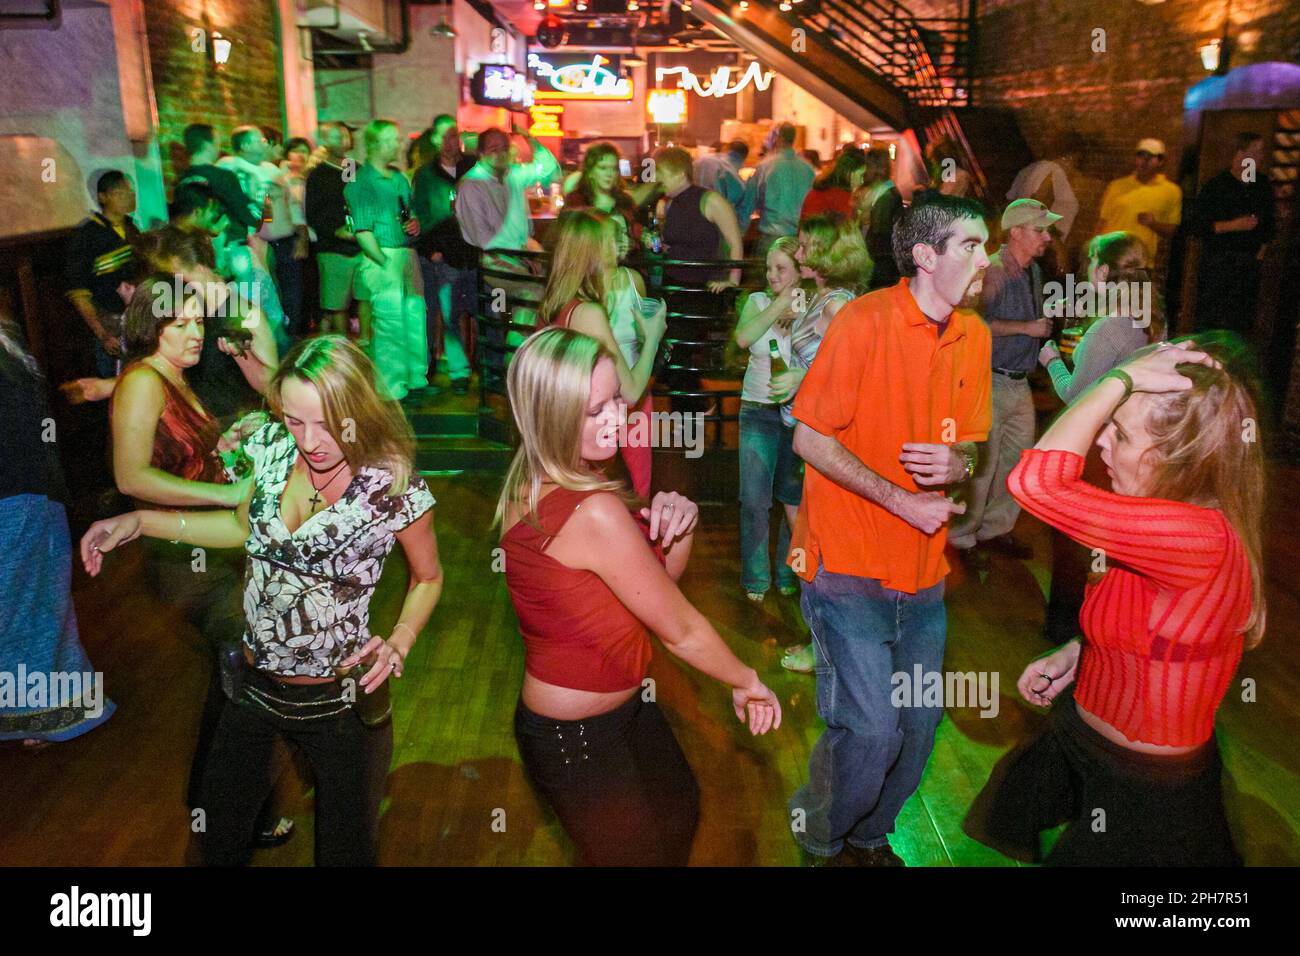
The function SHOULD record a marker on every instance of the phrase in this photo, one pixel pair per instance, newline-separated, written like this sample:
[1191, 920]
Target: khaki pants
[990, 509]
[399, 343]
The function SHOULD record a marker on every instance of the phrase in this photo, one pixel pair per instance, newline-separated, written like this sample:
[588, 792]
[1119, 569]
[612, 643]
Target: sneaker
[789, 590]
[756, 596]
[801, 659]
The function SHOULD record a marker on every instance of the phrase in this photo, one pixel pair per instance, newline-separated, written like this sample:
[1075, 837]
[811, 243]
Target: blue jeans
[870, 758]
[768, 467]
[450, 293]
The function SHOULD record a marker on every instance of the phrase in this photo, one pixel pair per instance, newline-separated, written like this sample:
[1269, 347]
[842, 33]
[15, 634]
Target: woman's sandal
[278, 835]
[801, 659]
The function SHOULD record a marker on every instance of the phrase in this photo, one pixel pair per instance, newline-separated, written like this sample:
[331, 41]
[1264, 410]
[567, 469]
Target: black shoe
[269, 838]
[460, 386]
[1008, 545]
[875, 856]
[812, 859]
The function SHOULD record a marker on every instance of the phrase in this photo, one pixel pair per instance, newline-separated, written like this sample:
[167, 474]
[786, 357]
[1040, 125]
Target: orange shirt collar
[912, 312]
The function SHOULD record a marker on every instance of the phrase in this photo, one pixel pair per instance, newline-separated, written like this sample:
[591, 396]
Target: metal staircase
[876, 63]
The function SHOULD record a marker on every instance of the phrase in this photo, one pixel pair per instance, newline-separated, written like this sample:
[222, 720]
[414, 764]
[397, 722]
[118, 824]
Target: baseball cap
[1027, 212]
[1150, 145]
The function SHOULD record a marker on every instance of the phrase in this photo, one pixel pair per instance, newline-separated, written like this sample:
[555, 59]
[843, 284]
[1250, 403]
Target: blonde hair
[836, 251]
[583, 251]
[1200, 455]
[786, 245]
[372, 431]
[549, 384]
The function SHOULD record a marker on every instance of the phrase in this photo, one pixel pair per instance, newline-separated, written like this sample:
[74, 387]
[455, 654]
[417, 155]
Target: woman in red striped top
[1129, 758]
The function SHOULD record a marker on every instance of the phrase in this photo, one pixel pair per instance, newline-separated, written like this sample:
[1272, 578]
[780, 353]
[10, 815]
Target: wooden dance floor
[115, 795]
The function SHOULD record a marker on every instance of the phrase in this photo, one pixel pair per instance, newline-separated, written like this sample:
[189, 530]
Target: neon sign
[545, 120]
[583, 80]
[666, 106]
[719, 80]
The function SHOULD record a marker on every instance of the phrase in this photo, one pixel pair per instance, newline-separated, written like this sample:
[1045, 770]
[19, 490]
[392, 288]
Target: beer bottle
[774, 356]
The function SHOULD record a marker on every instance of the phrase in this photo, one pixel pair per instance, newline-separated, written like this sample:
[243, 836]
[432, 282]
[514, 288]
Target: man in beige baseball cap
[1027, 212]
[1011, 304]
[1145, 203]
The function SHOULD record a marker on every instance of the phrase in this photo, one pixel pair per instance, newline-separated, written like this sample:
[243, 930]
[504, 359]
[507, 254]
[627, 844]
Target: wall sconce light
[1210, 52]
[220, 49]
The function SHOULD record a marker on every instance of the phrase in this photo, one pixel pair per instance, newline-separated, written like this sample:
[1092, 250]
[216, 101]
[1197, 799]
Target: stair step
[460, 453]
[443, 423]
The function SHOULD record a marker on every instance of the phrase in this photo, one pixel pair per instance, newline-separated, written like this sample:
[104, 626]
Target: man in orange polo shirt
[888, 416]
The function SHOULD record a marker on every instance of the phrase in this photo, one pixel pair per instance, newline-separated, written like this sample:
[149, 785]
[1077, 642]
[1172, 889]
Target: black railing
[928, 58]
[693, 351]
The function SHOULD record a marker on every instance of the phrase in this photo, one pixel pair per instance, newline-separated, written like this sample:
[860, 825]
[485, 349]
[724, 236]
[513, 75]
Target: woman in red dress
[1129, 759]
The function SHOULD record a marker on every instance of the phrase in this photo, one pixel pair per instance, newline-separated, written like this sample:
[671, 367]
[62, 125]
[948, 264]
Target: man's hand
[932, 464]
[112, 345]
[412, 227]
[926, 511]
[302, 248]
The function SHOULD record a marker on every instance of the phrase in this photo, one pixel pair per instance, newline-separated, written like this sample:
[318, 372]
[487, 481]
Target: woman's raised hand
[103, 536]
[757, 706]
[1156, 369]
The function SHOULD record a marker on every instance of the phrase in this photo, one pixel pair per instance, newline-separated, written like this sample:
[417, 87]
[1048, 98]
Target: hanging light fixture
[539, 5]
[443, 28]
[786, 6]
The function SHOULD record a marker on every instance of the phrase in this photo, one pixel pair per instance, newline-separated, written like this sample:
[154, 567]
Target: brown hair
[1125, 259]
[152, 308]
[674, 157]
[1205, 451]
[577, 269]
[835, 250]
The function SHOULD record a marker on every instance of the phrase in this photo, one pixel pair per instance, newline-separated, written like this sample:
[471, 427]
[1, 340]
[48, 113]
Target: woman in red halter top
[589, 582]
[1164, 627]
[165, 454]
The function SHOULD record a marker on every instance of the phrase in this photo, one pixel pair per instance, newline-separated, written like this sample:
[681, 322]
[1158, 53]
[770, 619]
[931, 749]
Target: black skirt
[1124, 808]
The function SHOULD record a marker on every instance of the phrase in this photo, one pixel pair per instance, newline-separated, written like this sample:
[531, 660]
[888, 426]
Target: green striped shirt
[375, 200]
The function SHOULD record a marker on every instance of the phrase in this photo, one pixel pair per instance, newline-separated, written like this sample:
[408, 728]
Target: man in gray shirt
[721, 173]
[777, 191]
[1011, 302]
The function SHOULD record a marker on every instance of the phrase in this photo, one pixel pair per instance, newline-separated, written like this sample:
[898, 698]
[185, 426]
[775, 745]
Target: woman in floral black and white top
[332, 492]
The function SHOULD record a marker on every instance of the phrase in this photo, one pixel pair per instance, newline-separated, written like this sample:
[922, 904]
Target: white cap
[1152, 146]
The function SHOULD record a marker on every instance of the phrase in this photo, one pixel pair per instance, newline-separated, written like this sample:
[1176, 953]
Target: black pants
[1123, 808]
[206, 590]
[288, 280]
[1070, 564]
[618, 781]
[349, 760]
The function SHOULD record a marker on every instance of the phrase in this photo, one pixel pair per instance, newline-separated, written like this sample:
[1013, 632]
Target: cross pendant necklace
[315, 499]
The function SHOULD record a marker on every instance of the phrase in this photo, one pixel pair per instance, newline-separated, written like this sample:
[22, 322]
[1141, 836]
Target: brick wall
[1036, 57]
[189, 89]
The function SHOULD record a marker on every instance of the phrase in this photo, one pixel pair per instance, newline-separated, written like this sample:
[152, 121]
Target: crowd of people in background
[886, 406]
